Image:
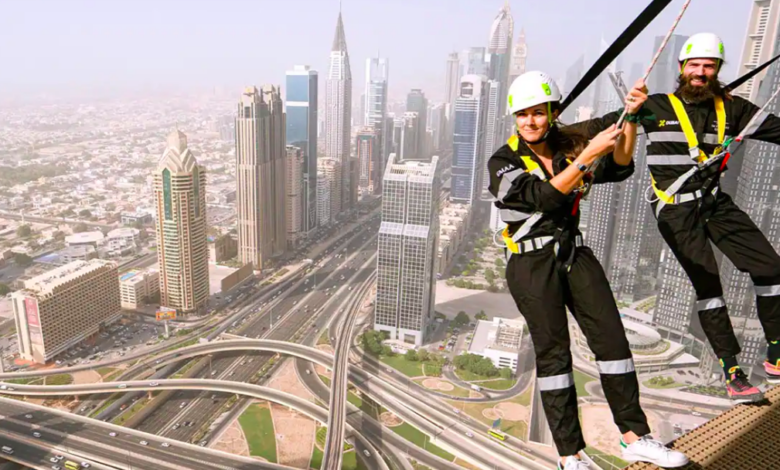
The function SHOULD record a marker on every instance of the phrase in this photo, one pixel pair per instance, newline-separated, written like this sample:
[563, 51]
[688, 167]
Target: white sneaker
[646, 449]
[573, 462]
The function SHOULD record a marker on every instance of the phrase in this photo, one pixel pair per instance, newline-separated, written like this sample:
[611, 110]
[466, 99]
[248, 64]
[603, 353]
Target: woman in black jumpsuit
[536, 178]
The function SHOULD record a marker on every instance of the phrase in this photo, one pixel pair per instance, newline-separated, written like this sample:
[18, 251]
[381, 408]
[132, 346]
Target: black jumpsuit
[543, 286]
[689, 227]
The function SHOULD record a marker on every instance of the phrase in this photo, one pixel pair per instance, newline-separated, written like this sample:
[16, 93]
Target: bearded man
[690, 127]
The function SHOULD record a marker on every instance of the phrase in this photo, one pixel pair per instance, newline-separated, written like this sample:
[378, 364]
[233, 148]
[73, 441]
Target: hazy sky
[61, 45]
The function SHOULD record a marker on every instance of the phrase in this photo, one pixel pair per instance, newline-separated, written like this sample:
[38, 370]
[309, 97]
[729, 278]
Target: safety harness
[514, 243]
[699, 159]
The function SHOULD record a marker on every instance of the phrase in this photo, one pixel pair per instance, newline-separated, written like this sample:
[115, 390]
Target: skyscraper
[759, 45]
[324, 182]
[501, 35]
[366, 148]
[331, 170]
[338, 114]
[493, 132]
[573, 75]
[473, 61]
[377, 73]
[756, 194]
[301, 102]
[452, 78]
[519, 56]
[663, 78]
[408, 147]
[407, 250]
[417, 103]
[438, 118]
[295, 201]
[260, 179]
[182, 249]
[468, 138]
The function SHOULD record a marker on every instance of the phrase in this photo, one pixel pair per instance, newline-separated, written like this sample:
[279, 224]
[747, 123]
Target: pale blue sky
[74, 45]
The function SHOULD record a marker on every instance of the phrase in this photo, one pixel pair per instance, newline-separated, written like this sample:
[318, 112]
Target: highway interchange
[297, 314]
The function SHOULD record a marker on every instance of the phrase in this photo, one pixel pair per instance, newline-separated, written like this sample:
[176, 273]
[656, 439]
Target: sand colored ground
[86, 377]
[390, 420]
[294, 431]
[600, 430]
[234, 441]
[513, 411]
[473, 394]
[437, 384]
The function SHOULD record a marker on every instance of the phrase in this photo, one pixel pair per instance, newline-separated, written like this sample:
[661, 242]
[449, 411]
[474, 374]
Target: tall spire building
[182, 251]
[338, 115]
[519, 56]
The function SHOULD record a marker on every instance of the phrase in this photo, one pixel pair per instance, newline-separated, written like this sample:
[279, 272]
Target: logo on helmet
[688, 49]
[720, 48]
[510, 101]
[546, 89]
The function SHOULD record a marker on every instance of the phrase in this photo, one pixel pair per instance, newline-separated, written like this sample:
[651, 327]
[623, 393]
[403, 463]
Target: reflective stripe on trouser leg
[594, 308]
[538, 292]
[715, 322]
[768, 306]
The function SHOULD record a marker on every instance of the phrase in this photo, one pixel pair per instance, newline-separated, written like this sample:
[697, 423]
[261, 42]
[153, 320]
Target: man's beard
[698, 94]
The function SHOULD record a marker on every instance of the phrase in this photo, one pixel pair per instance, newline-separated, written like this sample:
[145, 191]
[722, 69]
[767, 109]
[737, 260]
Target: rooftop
[46, 283]
[500, 334]
[85, 237]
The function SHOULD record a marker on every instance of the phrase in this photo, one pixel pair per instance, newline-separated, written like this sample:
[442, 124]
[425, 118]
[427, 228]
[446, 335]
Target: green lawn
[316, 459]
[420, 439]
[324, 339]
[497, 384]
[580, 379]
[258, 428]
[366, 405]
[104, 371]
[469, 376]
[25, 381]
[121, 419]
[59, 379]
[662, 387]
[399, 363]
[106, 405]
[322, 435]
[600, 457]
[349, 461]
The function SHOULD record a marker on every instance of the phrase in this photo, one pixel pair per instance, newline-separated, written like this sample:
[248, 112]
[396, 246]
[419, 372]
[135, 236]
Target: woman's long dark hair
[568, 140]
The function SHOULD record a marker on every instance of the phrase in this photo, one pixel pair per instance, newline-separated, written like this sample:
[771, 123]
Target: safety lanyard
[690, 135]
[535, 169]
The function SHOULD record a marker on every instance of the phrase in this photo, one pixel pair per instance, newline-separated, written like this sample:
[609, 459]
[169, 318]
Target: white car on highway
[122, 386]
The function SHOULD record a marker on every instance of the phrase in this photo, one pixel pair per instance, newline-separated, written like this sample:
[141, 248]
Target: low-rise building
[453, 225]
[136, 287]
[498, 340]
[222, 248]
[60, 308]
[124, 240]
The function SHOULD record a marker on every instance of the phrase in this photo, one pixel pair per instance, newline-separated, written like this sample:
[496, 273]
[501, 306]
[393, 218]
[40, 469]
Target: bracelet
[634, 118]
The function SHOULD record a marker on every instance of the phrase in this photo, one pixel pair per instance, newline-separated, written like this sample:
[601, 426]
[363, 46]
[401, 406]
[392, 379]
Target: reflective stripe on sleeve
[506, 183]
[767, 291]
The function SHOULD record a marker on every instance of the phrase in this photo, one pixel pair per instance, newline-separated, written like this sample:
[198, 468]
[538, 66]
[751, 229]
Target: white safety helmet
[703, 46]
[530, 89]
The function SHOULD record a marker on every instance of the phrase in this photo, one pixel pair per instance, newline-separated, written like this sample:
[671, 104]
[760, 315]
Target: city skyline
[117, 30]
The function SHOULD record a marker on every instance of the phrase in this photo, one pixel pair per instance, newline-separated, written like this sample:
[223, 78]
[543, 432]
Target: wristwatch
[583, 168]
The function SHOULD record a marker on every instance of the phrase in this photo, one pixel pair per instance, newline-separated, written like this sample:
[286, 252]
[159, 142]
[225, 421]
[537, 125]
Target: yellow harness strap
[690, 136]
[530, 167]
